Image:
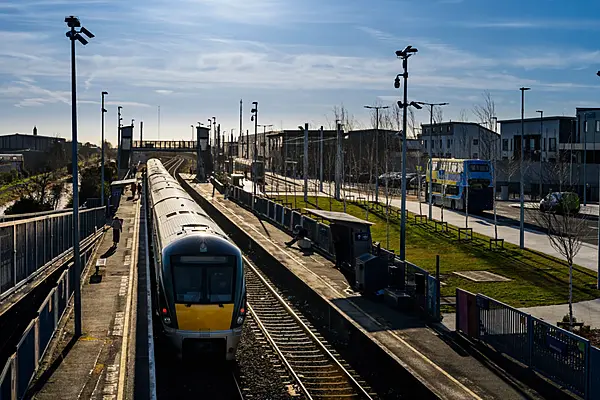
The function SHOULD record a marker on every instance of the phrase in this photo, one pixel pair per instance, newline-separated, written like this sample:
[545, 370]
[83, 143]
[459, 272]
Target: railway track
[315, 369]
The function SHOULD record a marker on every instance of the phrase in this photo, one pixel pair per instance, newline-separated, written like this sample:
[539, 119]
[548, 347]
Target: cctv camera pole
[254, 167]
[119, 141]
[338, 161]
[306, 162]
[102, 161]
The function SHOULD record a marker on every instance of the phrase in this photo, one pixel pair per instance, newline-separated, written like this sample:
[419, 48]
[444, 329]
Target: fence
[19, 370]
[425, 294]
[28, 245]
[561, 356]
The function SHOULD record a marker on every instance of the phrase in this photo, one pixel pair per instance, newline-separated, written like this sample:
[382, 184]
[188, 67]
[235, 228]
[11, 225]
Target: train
[199, 287]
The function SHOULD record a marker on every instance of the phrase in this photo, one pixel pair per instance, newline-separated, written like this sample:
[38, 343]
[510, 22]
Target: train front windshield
[204, 280]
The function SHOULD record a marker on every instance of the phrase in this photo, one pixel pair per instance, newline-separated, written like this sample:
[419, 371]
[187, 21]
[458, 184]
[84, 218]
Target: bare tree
[485, 113]
[566, 232]
[463, 116]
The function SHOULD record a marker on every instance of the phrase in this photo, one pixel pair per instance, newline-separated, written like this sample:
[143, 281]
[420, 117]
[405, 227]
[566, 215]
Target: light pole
[254, 117]
[541, 149]
[377, 108]
[305, 160]
[429, 151]
[102, 160]
[264, 140]
[73, 22]
[585, 130]
[598, 257]
[214, 141]
[192, 126]
[522, 183]
[404, 55]
[119, 140]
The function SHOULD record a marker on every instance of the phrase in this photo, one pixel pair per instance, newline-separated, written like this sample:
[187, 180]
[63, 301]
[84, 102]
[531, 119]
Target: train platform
[110, 359]
[447, 370]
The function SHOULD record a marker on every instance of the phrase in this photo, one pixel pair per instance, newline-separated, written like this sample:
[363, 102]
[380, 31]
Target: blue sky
[197, 58]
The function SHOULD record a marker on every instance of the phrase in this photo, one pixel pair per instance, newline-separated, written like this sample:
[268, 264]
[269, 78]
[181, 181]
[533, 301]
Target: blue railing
[561, 356]
[22, 365]
[320, 234]
[28, 245]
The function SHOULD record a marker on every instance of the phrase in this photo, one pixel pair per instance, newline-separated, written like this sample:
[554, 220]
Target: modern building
[459, 140]
[546, 138]
[20, 141]
[587, 146]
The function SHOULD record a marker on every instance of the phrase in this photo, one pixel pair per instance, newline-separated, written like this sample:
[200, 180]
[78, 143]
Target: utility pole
[119, 141]
[430, 151]
[306, 162]
[240, 152]
[141, 132]
[377, 108]
[321, 159]
[254, 118]
[541, 149]
[522, 183]
[338, 160]
[103, 145]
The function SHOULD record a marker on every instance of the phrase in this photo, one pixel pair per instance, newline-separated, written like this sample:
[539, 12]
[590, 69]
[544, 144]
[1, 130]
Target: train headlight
[167, 320]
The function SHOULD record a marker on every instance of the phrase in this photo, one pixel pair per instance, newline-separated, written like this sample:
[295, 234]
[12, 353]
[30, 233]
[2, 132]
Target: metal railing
[320, 235]
[561, 356]
[28, 245]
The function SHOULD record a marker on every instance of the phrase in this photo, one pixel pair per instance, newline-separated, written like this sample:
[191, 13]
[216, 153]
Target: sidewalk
[587, 256]
[96, 365]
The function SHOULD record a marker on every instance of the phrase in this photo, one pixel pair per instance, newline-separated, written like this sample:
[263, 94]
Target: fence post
[530, 339]
[14, 255]
[438, 313]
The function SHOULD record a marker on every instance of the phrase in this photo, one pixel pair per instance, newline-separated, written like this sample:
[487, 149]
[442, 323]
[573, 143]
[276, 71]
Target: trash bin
[504, 193]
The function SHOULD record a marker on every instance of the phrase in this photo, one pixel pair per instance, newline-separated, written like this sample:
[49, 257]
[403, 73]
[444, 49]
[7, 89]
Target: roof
[34, 136]
[335, 216]
[123, 182]
[534, 119]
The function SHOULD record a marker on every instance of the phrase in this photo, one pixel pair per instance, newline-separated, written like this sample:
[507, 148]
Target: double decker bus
[454, 179]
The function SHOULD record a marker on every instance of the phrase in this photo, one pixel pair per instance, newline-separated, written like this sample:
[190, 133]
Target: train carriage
[199, 288]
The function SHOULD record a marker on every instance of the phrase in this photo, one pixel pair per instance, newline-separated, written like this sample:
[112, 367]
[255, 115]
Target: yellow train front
[200, 291]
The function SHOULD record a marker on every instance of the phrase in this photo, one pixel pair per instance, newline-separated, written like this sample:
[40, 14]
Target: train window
[189, 284]
[220, 284]
[171, 214]
[203, 279]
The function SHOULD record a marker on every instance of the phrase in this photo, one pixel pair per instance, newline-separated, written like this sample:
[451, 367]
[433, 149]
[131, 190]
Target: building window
[504, 144]
[425, 143]
[475, 155]
[448, 143]
[433, 144]
[552, 144]
[544, 144]
[441, 144]
[597, 126]
[475, 142]
[511, 144]
[448, 128]
[531, 144]
[585, 123]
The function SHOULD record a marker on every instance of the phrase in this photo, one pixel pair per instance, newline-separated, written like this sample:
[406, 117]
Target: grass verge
[536, 279]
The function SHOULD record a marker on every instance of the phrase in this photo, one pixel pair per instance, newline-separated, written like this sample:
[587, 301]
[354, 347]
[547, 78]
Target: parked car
[561, 202]
[414, 182]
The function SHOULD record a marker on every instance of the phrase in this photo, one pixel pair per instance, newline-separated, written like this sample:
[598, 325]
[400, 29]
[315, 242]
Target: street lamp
[192, 126]
[254, 118]
[429, 151]
[541, 148]
[377, 108]
[119, 108]
[598, 256]
[404, 55]
[522, 184]
[102, 161]
[73, 22]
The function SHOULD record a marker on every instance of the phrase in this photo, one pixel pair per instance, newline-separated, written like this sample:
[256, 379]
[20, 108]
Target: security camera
[86, 32]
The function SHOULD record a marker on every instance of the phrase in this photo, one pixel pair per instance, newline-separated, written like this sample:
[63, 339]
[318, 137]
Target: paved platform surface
[449, 372]
[100, 364]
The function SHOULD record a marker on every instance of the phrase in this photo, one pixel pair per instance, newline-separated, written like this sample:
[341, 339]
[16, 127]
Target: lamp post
[119, 140]
[404, 55]
[429, 151]
[377, 108]
[102, 157]
[541, 148]
[254, 117]
[73, 34]
[522, 183]
[264, 140]
[192, 126]
[598, 256]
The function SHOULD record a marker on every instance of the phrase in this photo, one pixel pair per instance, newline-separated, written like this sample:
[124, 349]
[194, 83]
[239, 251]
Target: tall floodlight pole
[192, 126]
[522, 183]
[429, 151]
[73, 22]
[254, 118]
[338, 159]
[377, 108]
[240, 131]
[404, 55]
[214, 140]
[321, 159]
[305, 162]
[598, 256]
[102, 157]
[119, 139]
[541, 148]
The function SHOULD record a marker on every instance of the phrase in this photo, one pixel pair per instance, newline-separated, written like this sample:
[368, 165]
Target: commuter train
[199, 290]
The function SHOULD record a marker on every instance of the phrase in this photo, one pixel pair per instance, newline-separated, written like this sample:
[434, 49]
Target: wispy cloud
[548, 24]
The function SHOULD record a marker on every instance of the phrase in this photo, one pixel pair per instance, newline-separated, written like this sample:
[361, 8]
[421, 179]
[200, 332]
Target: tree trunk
[570, 294]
